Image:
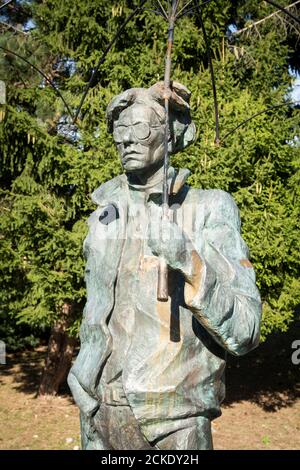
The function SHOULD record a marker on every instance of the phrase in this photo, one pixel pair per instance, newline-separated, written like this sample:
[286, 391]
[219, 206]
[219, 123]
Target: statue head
[136, 118]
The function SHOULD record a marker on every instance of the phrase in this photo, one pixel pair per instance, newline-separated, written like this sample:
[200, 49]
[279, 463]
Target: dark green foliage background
[46, 182]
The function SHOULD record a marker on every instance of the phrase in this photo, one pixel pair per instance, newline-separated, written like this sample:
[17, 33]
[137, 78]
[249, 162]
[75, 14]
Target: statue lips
[130, 155]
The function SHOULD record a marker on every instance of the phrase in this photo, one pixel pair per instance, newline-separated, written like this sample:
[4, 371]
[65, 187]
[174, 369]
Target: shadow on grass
[265, 376]
[26, 370]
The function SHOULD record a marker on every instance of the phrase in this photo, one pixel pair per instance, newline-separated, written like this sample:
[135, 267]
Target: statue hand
[167, 239]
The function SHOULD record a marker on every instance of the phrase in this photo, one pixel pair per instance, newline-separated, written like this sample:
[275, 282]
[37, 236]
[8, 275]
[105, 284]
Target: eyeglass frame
[131, 126]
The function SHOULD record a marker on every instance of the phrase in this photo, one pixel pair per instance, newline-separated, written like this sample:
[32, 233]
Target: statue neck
[147, 179]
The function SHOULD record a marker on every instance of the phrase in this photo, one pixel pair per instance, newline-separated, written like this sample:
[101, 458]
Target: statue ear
[184, 134]
[189, 135]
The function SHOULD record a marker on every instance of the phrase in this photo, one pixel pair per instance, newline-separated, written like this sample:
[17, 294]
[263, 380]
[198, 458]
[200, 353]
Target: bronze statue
[150, 373]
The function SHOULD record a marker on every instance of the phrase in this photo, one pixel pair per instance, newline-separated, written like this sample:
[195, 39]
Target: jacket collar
[111, 189]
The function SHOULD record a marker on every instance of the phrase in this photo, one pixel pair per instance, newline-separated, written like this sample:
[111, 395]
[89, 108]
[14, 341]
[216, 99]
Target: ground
[261, 410]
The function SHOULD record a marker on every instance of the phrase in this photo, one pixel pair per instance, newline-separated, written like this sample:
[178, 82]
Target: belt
[113, 394]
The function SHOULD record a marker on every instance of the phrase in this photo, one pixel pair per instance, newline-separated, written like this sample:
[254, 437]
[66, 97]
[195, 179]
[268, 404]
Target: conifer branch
[211, 69]
[102, 58]
[8, 51]
[259, 113]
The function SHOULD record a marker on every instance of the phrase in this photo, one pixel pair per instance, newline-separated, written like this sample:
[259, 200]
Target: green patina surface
[151, 373]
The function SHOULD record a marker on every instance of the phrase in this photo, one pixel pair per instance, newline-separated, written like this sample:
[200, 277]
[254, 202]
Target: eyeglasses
[141, 131]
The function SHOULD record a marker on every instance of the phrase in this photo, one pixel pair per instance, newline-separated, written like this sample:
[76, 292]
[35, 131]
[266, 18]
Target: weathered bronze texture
[150, 374]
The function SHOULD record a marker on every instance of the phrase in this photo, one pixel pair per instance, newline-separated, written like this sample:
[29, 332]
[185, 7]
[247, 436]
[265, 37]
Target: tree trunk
[59, 355]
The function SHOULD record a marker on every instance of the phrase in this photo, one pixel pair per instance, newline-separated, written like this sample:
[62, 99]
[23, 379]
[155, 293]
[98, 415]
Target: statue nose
[128, 135]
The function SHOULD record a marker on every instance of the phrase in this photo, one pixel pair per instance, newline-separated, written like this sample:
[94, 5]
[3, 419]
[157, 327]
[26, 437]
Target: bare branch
[276, 13]
[5, 4]
[10, 26]
[284, 10]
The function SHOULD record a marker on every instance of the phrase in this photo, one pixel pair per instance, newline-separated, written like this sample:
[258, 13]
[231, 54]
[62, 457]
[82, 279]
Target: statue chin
[141, 167]
[135, 165]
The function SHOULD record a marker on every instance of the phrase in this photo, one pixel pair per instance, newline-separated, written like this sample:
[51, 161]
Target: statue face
[139, 137]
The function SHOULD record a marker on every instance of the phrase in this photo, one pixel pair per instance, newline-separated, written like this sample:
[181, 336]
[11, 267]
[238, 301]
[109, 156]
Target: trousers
[114, 427]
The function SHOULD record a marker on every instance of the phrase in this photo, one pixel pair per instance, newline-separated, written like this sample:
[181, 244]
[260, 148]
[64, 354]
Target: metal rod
[162, 9]
[43, 75]
[162, 286]
[167, 77]
[167, 89]
[101, 60]
[276, 5]
[169, 8]
[184, 7]
[211, 69]
[255, 115]
[156, 12]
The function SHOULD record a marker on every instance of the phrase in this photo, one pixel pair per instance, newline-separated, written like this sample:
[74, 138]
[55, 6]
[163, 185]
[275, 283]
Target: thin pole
[184, 11]
[162, 9]
[166, 97]
[162, 287]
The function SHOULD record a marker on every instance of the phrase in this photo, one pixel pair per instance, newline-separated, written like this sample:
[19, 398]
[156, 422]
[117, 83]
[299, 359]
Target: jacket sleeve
[221, 290]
